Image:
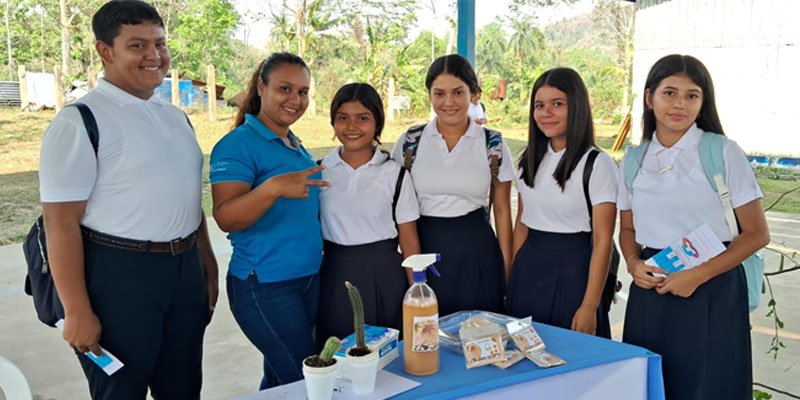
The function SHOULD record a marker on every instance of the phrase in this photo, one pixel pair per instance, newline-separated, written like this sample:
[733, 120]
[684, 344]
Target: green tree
[202, 36]
[616, 20]
[526, 39]
[490, 47]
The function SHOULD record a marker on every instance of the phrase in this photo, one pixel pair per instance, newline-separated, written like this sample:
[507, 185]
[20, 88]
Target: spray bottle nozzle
[419, 262]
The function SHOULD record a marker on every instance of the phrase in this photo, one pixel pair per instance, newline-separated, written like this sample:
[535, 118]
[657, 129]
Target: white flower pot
[320, 381]
[362, 371]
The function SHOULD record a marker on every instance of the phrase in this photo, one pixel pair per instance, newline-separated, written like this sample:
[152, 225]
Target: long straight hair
[252, 101]
[580, 128]
[676, 64]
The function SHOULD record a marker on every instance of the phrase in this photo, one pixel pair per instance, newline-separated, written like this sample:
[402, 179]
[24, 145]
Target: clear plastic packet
[510, 357]
[450, 325]
[482, 344]
[524, 336]
[531, 344]
[544, 359]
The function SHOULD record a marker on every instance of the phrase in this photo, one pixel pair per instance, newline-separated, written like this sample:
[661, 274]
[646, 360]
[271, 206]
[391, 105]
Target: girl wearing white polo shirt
[364, 212]
[696, 319]
[452, 176]
[563, 245]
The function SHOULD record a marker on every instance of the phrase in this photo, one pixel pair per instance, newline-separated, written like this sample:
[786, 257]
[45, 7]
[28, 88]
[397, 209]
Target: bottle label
[426, 334]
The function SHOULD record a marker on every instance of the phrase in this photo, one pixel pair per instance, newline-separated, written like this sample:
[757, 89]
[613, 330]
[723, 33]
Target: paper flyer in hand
[691, 250]
[107, 361]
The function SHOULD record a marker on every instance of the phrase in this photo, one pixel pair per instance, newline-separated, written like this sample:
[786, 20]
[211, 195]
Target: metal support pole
[466, 30]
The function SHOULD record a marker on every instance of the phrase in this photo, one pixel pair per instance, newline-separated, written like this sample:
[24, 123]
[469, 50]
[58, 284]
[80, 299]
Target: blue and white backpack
[713, 161]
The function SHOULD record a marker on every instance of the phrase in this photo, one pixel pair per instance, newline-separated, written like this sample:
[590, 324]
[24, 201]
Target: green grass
[22, 135]
[773, 189]
[19, 205]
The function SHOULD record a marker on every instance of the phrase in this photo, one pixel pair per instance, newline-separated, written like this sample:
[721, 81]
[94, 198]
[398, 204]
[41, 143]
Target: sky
[255, 31]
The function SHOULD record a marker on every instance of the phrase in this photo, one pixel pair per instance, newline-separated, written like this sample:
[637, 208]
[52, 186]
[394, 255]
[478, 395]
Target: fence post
[311, 110]
[389, 101]
[58, 88]
[91, 80]
[176, 93]
[212, 93]
[22, 76]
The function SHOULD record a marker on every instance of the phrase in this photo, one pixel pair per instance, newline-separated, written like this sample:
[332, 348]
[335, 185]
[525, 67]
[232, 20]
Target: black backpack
[39, 282]
[613, 285]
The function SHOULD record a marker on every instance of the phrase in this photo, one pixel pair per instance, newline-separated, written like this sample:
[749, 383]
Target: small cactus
[358, 315]
[331, 346]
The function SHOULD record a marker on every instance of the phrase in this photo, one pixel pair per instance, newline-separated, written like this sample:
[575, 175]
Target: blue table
[581, 352]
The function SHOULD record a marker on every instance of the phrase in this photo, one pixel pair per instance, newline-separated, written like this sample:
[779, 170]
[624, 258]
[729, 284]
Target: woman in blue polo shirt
[265, 191]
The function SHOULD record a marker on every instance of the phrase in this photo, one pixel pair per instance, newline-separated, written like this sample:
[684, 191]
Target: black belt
[174, 247]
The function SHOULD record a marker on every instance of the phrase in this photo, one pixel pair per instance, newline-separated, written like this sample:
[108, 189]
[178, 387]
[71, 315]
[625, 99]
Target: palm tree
[526, 39]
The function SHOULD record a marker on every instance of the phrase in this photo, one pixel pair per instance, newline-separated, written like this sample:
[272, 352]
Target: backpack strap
[410, 144]
[713, 161]
[633, 162]
[90, 123]
[494, 146]
[494, 155]
[398, 186]
[587, 175]
[612, 285]
[711, 157]
[188, 121]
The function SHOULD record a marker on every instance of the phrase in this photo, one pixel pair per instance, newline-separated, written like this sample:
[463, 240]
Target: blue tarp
[189, 95]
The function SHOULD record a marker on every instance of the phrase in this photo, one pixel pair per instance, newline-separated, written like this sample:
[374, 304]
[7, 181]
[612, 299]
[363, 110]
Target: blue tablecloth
[580, 351]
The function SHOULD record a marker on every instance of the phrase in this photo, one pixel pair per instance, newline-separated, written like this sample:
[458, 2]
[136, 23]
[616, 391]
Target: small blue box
[382, 340]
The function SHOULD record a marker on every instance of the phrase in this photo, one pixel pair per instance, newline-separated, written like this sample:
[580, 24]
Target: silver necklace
[671, 166]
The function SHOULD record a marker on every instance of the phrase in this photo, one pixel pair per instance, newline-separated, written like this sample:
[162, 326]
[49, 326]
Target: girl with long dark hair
[563, 231]
[696, 319]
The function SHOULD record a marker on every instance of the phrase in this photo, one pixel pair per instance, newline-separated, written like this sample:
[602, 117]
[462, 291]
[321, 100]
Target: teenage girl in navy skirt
[696, 319]
[358, 219]
[563, 251]
[452, 177]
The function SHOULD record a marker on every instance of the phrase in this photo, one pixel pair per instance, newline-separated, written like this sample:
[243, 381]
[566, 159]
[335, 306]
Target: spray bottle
[421, 318]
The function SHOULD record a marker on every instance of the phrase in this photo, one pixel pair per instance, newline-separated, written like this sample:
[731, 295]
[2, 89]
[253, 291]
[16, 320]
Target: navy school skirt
[472, 263]
[549, 279]
[704, 340]
[374, 268]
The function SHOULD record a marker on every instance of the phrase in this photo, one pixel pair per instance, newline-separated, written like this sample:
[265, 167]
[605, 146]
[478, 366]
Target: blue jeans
[278, 318]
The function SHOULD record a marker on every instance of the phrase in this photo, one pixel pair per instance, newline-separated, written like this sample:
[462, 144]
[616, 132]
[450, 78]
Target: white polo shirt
[547, 208]
[146, 181]
[476, 111]
[453, 183]
[679, 199]
[357, 207]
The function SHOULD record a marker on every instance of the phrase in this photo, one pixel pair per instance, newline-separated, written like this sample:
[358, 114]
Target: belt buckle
[172, 244]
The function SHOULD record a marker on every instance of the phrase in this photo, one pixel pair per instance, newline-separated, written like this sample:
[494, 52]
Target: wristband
[628, 260]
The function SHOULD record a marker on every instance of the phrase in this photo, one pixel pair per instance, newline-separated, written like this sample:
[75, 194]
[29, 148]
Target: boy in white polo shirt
[127, 239]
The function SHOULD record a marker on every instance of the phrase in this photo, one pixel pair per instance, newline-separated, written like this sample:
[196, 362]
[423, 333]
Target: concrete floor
[232, 366]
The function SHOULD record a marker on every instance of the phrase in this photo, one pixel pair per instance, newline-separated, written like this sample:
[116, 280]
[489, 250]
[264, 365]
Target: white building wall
[751, 48]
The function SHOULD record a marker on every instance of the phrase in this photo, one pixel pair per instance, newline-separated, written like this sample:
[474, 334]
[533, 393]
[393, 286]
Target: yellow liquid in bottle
[420, 362]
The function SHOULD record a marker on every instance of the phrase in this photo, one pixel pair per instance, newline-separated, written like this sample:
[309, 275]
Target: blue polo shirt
[286, 242]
